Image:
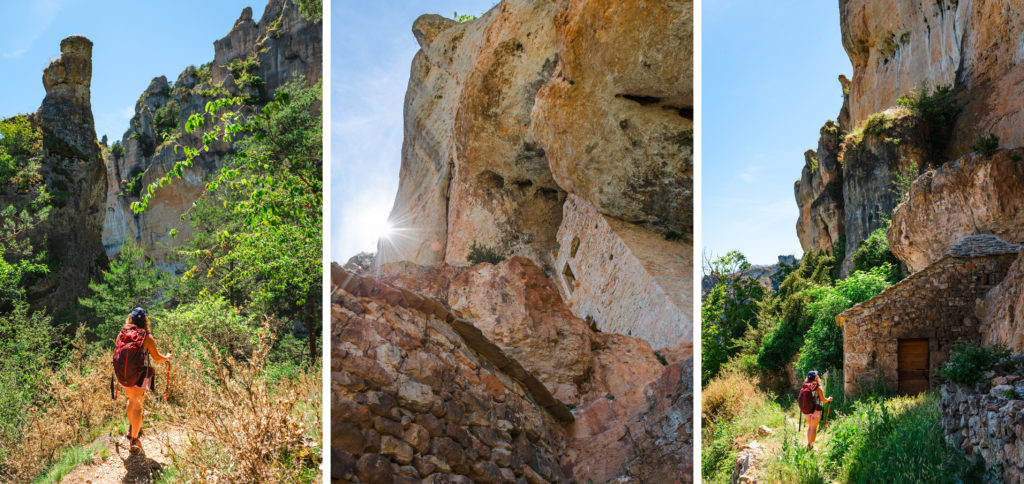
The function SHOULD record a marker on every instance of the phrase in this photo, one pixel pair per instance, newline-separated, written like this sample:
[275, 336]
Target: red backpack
[131, 360]
[807, 399]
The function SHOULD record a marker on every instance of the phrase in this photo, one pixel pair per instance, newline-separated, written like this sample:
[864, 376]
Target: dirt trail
[122, 467]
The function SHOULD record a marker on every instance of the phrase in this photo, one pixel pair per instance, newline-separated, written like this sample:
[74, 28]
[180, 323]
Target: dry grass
[246, 429]
[79, 407]
[241, 426]
[728, 395]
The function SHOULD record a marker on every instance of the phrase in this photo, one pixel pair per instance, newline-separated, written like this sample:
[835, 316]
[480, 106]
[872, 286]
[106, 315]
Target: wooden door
[913, 366]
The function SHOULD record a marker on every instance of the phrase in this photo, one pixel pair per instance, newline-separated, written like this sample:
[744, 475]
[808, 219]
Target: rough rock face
[975, 194]
[847, 190]
[616, 119]
[626, 279]
[1001, 314]
[486, 156]
[984, 421]
[819, 193]
[284, 44]
[471, 168]
[72, 169]
[516, 306]
[896, 46]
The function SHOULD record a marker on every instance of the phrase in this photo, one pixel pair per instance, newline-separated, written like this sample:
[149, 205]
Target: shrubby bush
[968, 362]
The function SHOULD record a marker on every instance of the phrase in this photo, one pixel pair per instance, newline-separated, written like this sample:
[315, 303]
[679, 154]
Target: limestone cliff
[901, 48]
[283, 44]
[71, 170]
[537, 115]
[973, 45]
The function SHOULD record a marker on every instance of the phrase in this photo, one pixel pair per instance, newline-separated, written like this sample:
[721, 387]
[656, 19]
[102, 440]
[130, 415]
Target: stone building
[904, 334]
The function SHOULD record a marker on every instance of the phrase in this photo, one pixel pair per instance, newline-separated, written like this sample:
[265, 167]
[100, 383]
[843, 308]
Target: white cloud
[33, 20]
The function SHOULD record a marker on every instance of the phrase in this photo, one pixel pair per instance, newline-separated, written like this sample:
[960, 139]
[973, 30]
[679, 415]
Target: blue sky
[769, 83]
[133, 42]
[371, 52]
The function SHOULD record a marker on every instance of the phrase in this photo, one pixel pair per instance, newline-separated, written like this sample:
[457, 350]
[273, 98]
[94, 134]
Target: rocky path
[122, 467]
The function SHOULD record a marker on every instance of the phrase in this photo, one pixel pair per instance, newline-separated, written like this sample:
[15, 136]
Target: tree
[259, 242]
[131, 281]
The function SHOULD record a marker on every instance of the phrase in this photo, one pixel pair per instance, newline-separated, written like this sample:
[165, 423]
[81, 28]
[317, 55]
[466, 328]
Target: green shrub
[937, 112]
[822, 347]
[986, 145]
[672, 235]
[25, 351]
[481, 253]
[117, 150]
[968, 362]
[874, 252]
[131, 281]
[210, 320]
[903, 180]
[877, 123]
[462, 18]
[166, 116]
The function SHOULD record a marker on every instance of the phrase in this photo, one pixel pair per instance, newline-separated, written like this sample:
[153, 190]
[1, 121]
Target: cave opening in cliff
[570, 278]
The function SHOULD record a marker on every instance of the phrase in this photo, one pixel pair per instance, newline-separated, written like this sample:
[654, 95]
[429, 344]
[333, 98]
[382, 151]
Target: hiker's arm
[151, 347]
[821, 395]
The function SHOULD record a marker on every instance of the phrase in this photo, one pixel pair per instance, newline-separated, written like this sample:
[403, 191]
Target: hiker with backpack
[809, 399]
[131, 368]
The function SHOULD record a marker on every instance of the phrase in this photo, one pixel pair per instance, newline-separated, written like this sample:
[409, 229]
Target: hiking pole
[827, 407]
[167, 387]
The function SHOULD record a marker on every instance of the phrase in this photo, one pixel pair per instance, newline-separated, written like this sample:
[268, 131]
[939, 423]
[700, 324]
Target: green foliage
[968, 362]
[131, 281]
[661, 358]
[672, 235]
[986, 145]
[259, 227]
[822, 347]
[166, 116]
[903, 180]
[937, 111]
[728, 313]
[839, 254]
[17, 257]
[25, 351]
[210, 320]
[873, 252]
[117, 150]
[311, 9]
[877, 123]
[814, 164]
[213, 91]
[462, 18]
[786, 313]
[479, 253]
[20, 141]
[133, 187]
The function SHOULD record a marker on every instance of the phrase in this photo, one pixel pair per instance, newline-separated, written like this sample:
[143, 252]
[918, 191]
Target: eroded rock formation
[896, 47]
[71, 168]
[508, 114]
[976, 194]
[1001, 314]
[282, 45]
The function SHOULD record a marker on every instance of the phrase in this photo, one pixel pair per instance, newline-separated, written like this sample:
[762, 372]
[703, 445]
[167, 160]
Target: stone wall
[937, 303]
[986, 421]
[1002, 313]
[627, 280]
[418, 394]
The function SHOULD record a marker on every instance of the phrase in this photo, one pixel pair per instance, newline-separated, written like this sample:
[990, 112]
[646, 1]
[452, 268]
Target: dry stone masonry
[632, 416]
[987, 420]
[937, 304]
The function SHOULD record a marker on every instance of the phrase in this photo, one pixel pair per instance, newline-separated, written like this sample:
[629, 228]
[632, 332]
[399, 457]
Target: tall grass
[876, 438]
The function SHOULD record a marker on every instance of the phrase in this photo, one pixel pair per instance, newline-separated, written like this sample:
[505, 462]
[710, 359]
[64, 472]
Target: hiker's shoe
[136, 445]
